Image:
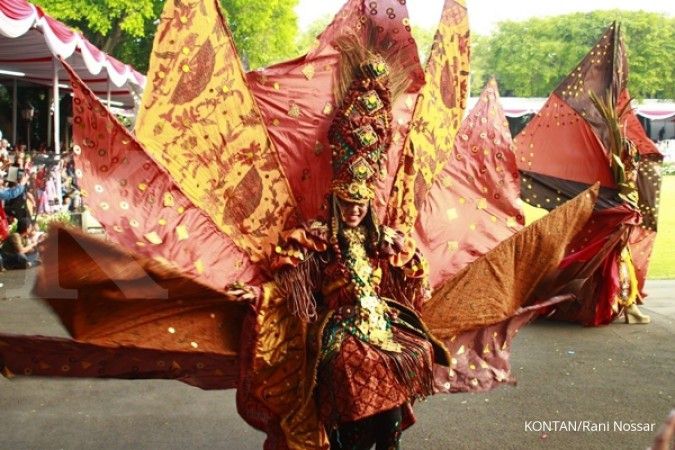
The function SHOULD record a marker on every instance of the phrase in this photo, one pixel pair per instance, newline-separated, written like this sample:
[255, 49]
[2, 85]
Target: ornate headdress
[361, 130]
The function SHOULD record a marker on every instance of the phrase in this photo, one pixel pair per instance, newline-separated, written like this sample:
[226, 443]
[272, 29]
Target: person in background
[19, 251]
[16, 201]
[12, 192]
[4, 148]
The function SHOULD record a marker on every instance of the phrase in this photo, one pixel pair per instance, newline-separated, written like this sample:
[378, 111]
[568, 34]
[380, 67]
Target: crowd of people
[34, 184]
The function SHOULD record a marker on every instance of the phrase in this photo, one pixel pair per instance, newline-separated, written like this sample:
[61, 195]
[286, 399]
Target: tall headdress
[361, 130]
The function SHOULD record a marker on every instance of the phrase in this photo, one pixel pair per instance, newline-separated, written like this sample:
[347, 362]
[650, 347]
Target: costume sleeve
[298, 269]
[407, 279]
[409, 258]
[296, 246]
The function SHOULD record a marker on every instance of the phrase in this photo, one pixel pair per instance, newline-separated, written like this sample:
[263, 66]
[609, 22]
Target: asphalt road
[617, 375]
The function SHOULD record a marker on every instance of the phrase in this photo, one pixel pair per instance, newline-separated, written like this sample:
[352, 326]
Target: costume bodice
[350, 288]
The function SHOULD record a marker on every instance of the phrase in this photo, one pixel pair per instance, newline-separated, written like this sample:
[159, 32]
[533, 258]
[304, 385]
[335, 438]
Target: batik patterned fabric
[199, 195]
[131, 317]
[140, 206]
[201, 124]
[437, 117]
[564, 148]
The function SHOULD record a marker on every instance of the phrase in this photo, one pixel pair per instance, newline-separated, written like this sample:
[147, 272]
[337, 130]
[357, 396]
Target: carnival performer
[329, 330]
[359, 282]
[605, 143]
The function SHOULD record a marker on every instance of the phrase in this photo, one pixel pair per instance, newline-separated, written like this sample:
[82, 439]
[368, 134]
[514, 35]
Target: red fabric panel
[132, 196]
[44, 356]
[592, 257]
[602, 224]
[119, 67]
[558, 142]
[297, 104]
[480, 358]
[16, 9]
[473, 204]
[95, 52]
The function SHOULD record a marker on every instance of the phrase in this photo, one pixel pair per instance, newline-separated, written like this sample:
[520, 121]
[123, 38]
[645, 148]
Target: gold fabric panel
[437, 117]
[284, 370]
[200, 122]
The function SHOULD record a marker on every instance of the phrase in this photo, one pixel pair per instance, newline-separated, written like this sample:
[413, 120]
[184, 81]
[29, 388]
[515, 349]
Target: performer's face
[352, 213]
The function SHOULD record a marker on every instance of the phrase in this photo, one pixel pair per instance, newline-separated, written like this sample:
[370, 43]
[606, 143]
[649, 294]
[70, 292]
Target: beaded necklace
[372, 320]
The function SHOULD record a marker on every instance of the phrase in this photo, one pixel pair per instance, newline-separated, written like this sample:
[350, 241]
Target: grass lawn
[662, 264]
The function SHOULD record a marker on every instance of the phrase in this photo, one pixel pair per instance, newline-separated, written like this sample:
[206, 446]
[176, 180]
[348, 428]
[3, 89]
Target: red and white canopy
[519, 106]
[30, 39]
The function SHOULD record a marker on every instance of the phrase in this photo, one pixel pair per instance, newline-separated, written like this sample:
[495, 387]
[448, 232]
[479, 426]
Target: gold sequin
[199, 266]
[168, 199]
[153, 238]
[452, 214]
[181, 232]
[294, 111]
[308, 71]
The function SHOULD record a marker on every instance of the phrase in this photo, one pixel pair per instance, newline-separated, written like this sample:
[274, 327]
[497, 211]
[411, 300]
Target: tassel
[412, 366]
[299, 284]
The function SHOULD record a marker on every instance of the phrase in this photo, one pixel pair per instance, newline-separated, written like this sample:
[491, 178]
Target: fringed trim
[413, 365]
[407, 291]
[298, 284]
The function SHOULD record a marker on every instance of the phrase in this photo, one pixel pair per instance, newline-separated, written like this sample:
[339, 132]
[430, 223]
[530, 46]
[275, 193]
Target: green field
[663, 258]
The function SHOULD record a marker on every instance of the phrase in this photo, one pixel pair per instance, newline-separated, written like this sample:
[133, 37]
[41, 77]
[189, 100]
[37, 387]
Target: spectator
[19, 251]
[4, 148]
[67, 204]
[10, 193]
[17, 203]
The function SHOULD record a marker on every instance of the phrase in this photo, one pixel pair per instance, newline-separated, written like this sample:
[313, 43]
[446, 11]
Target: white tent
[519, 106]
[31, 44]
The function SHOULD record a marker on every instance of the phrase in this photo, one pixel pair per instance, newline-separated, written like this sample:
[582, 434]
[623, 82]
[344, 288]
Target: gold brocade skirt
[359, 379]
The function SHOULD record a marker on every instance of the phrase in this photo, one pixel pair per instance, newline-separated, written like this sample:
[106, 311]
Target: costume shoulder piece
[296, 245]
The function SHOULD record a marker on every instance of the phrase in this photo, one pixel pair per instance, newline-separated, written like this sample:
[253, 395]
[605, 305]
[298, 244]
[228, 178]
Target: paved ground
[565, 373]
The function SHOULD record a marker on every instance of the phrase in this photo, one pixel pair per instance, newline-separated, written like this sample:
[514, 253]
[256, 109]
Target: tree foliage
[307, 38]
[263, 30]
[530, 58]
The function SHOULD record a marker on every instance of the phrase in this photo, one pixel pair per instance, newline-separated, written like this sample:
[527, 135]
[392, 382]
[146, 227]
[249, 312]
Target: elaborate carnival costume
[207, 193]
[376, 354]
[590, 113]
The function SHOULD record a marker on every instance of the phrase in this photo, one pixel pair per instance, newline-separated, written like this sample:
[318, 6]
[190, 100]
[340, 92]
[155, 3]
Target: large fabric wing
[437, 117]
[200, 121]
[139, 205]
[297, 103]
[493, 287]
[474, 202]
[567, 139]
[130, 316]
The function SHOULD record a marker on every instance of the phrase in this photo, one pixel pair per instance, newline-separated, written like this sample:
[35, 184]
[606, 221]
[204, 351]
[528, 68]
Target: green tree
[424, 37]
[263, 30]
[530, 58]
[305, 40]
